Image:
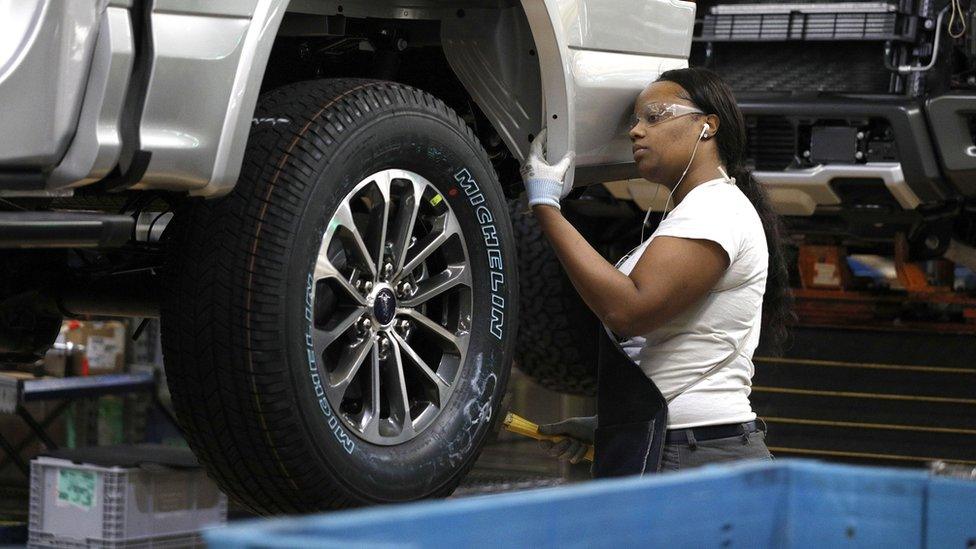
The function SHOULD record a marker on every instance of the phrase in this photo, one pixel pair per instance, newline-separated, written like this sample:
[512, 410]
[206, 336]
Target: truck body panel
[45, 55]
[571, 65]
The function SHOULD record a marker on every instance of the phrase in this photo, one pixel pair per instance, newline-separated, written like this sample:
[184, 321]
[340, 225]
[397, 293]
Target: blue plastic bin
[786, 503]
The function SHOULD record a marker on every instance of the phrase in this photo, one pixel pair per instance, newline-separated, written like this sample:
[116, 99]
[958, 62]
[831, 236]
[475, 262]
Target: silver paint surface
[45, 52]
[95, 148]
[592, 71]
[194, 64]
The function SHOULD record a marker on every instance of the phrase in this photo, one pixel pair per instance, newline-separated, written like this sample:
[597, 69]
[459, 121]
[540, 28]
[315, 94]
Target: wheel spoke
[382, 181]
[405, 221]
[399, 400]
[321, 339]
[447, 227]
[435, 328]
[442, 387]
[432, 287]
[349, 363]
[343, 217]
[372, 425]
[325, 269]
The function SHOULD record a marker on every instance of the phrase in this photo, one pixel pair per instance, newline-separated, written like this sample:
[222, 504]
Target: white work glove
[580, 431]
[545, 184]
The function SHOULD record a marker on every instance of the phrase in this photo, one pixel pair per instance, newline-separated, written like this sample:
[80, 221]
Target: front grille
[770, 143]
[844, 67]
[801, 26]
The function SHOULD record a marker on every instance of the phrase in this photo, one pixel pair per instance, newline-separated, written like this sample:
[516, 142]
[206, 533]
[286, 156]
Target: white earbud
[705, 129]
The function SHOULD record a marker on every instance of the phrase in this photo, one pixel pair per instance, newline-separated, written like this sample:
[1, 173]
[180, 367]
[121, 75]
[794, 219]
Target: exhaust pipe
[26, 230]
[133, 295]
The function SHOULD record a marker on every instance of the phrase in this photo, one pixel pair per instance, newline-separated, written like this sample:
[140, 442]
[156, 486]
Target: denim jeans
[678, 457]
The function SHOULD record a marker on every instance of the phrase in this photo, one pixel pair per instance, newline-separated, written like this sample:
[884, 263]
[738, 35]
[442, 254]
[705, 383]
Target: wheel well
[404, 51]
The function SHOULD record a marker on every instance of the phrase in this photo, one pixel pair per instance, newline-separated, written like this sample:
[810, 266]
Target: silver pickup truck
[337, 280]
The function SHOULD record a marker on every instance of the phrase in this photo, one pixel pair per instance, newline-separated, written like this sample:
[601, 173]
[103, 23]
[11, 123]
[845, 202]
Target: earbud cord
[682, 178]
[650, 207]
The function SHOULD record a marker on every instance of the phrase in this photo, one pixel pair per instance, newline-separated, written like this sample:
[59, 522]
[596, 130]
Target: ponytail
[777, 311]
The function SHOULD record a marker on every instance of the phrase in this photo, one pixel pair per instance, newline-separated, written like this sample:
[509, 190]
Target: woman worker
[683, 310]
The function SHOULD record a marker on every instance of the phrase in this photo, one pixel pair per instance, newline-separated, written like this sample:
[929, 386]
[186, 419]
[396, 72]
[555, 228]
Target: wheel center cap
[384, 306]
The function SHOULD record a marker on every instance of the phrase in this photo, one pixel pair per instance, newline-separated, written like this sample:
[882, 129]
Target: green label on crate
[77, 488]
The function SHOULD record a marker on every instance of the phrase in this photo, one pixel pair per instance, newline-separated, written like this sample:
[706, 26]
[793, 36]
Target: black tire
[557, 337]
[246, 386]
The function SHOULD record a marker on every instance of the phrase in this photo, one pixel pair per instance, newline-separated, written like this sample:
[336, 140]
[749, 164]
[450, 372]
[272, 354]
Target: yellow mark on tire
[436, 200]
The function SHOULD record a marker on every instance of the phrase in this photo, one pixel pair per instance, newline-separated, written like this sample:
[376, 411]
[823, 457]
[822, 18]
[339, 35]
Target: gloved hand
[580, 431]
[544, 184]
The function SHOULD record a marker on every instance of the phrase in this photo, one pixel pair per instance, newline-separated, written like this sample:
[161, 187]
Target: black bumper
[916, 150]
[953, 122]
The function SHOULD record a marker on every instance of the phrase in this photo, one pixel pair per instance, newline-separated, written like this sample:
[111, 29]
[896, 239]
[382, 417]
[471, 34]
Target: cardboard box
[104, 346]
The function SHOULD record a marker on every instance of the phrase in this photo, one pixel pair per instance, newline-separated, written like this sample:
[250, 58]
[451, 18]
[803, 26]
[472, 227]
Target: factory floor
[891, 397]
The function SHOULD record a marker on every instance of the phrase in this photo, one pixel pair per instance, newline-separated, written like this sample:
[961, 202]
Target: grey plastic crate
[181, 541]
[83, 505]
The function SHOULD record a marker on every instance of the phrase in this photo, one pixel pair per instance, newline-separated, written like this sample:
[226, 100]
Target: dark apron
[632, 416]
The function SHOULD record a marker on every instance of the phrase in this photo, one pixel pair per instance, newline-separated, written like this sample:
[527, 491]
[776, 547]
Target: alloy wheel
[392, 306]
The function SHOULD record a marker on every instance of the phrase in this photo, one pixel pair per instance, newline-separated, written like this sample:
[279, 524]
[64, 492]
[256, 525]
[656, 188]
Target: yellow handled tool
[519, 425]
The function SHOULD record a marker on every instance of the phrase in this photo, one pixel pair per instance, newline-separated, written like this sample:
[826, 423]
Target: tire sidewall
[434, 148]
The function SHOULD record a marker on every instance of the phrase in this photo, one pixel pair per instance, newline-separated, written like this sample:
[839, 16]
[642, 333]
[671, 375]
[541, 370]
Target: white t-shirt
[708, 332]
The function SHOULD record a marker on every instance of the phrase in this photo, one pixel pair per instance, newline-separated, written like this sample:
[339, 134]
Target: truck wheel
[558, 333]
[338, 331]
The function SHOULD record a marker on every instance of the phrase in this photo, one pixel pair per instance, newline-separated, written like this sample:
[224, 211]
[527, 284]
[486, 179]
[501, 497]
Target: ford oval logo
[384, 306]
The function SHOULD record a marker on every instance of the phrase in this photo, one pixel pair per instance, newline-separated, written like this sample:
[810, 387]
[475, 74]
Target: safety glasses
[657, 113]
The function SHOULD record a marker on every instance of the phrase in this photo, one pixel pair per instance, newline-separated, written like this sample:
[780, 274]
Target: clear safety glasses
[657, 113]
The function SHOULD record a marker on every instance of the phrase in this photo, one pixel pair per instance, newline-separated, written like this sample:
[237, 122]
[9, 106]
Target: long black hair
[711, 94]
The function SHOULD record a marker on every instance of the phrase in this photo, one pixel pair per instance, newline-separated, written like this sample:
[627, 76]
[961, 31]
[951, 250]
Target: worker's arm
[672, 275]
